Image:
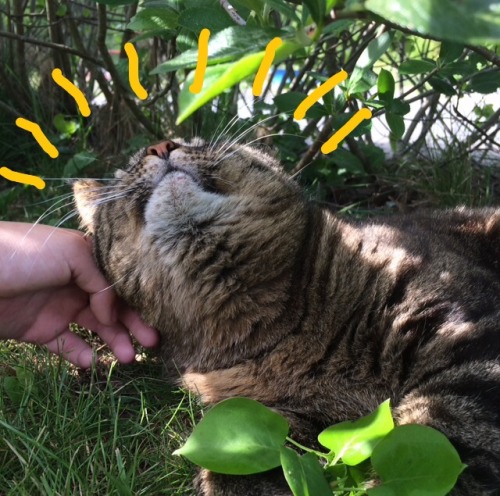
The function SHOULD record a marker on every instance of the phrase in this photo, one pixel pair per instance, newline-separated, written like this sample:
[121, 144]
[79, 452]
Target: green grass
[107, 431]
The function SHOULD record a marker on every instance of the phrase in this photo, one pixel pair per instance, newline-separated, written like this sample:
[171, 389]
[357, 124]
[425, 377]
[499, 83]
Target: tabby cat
[259, 292]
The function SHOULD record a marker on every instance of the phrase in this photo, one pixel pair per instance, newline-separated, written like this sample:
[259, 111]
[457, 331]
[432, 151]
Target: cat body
[258, 292]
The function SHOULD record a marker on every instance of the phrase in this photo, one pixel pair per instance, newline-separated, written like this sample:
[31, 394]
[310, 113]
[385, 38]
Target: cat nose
[162, 149]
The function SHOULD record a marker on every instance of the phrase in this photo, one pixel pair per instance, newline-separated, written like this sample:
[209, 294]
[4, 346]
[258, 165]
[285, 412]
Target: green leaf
[385, 86]
[467, 21]
[153, 18]
[288, 102]
[416, 66]
[238, 436]
[485, 82]
[396, 124]
[222, 77]
[337, 27]
[304, 474]
[361, 80]
[13, 389]
[195, 19]
[229, 44]
[355, 441]
[284, 9]
[317, 10]
[415, 460]
[374, 50]
[77, 163]
[399, 107]
[115, 3]
[450, 51]
[442, 86]
[65, 126]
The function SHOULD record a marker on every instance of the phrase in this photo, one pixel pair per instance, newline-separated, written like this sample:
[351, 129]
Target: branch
[48, 44]
[120, 88]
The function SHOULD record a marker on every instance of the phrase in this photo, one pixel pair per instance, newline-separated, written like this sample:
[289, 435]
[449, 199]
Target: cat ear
[87, 193]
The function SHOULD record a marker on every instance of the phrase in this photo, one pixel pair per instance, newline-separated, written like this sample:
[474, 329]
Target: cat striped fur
[259, 292]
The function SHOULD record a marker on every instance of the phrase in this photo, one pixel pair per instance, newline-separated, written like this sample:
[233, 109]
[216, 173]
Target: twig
[49, 44]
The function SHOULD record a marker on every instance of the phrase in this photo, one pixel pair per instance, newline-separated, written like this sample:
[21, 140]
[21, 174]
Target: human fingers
[72, 348]
[87, 276]
[146, 335]
[115, 336]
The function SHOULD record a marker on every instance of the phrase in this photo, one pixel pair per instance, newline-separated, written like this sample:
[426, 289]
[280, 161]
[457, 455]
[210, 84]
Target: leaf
[304, 474]
[238, 436]
[228, 44]
[396, 124]
[485, 82]
[195, 19]
[361, 80]
[374, 50]
[385, 86]
[399, 107]
[288, 102]
[115, 3]
[415, 460]
[317, 10]
[450, 51]
[152, 18]
[222, 77]
[65, 126]
[467, 21]
[355, 441]
[442, 86]
[416, 66]
[77, 163]
[13, 389]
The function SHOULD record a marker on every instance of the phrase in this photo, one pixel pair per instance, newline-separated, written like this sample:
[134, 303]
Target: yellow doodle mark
[201, 64]
[18, 177]
[37, 133]
[265, 65]
[133, 71]
[68, 86]
[347, 128]
[310, 100]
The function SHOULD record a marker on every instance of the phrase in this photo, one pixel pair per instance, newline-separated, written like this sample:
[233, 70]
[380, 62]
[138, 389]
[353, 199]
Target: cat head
[189, 221]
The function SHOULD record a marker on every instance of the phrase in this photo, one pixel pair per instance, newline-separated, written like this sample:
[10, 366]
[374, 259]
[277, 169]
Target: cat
[259, 292]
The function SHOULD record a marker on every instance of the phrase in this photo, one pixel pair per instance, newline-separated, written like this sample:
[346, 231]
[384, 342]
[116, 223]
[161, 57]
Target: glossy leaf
[374, 50]
[304, 474]
[416, 66]
[222, 77]
[353, 442]
[317, 9]
[238, 436]
[153, 18]
[469, 21]
[229, 44]
[195, 19]
[415, 460]
[385, 86]
[396, 124]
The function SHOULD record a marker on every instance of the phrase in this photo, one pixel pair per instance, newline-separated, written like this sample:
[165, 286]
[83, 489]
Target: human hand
[48, 279]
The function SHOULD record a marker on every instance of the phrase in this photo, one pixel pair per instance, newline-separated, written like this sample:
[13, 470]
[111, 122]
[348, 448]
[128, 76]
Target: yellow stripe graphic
[68, 86]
